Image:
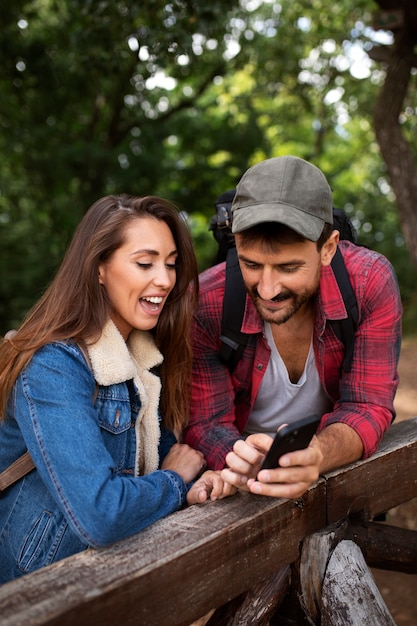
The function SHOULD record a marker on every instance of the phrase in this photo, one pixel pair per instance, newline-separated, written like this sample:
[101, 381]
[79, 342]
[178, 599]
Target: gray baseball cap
[283, 189]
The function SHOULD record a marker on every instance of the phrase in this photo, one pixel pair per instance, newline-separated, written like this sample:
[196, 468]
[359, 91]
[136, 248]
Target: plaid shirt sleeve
[212, 428]
[364, 397]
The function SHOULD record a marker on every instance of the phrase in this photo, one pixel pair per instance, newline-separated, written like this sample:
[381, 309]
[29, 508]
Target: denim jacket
[85, 491]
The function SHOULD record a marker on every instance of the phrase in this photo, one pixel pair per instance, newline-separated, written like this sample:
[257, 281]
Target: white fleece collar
[115, 361]
[111, 357]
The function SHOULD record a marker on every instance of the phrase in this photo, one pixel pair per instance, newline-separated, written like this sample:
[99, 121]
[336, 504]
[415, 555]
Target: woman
[82, 382]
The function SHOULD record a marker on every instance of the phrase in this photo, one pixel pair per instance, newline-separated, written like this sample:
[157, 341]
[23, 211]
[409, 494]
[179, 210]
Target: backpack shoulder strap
[22, 466]
[345, 328]
[233, 340]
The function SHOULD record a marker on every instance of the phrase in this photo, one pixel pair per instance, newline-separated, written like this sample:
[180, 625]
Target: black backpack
[233, 340]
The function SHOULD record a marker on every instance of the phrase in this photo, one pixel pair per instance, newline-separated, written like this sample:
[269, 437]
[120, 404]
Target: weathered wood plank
[197, 559]
[172, 573]
[380, 483]
[387, 547]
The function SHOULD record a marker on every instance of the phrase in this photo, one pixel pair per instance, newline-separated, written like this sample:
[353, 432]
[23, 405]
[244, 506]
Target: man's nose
[268, 286]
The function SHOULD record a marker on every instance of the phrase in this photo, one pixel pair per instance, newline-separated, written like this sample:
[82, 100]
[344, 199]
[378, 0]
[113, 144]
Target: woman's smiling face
[140, 275]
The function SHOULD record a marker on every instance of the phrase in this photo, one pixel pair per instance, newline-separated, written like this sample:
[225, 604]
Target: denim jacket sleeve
[53, 405]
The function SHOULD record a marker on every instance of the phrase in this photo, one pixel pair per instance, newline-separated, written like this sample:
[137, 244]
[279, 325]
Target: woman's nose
[164, 278]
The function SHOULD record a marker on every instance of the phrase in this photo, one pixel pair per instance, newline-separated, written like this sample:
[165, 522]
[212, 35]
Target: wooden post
[315, 553]
[350, 596]
[337, 587]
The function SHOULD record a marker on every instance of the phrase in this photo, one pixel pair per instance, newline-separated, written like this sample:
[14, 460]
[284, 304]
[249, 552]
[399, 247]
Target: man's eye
[289, 269]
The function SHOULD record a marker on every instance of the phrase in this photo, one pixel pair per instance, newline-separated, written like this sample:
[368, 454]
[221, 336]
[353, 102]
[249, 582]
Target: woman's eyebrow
[152, 252]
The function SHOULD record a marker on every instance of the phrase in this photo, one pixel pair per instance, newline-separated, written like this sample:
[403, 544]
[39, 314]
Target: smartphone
[295, 436]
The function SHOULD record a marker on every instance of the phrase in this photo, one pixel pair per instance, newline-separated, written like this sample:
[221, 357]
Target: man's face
[282, 280]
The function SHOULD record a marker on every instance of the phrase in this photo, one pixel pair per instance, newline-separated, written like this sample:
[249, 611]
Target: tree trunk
[396, 152]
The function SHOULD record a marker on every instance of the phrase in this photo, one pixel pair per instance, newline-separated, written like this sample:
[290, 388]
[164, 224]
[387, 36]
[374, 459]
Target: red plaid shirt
[363, 398]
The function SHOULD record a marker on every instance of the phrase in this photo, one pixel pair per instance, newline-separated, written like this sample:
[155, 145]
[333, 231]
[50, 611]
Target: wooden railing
[202, 557]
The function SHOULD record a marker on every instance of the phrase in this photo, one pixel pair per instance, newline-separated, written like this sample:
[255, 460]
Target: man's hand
[334, 446]
[209, 486]
[297, 471]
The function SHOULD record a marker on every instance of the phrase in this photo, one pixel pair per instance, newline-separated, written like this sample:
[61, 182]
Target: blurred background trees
[178, 98]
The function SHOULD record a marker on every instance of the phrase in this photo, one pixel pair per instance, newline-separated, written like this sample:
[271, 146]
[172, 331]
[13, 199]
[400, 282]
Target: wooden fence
[232, 555]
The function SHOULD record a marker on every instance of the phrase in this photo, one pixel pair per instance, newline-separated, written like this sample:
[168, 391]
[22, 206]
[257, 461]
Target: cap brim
[305, 224]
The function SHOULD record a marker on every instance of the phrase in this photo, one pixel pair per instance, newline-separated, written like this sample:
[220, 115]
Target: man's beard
[295, 302]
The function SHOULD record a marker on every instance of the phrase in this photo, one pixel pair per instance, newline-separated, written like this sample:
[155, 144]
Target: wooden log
[315, 553]
[387, 547]
[350, 596]
[257, 606]
[290, 612]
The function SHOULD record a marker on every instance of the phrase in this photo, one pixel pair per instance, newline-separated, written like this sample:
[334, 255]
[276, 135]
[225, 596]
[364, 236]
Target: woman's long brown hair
[76, 307]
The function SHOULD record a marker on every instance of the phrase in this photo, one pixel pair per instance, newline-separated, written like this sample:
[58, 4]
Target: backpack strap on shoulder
[22, 466]
[345, 329]
[233, 340]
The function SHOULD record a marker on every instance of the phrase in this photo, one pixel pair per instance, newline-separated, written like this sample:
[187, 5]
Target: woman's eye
[144, 266]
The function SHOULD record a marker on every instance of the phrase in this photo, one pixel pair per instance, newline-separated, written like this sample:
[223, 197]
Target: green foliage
[203, 240]
[178, 99]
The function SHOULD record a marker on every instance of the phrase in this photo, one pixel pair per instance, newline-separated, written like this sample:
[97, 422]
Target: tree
[89, 91]
[178, 99]
[395, 111]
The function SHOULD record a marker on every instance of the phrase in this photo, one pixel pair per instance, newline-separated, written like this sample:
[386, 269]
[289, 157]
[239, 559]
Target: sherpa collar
[115, 361]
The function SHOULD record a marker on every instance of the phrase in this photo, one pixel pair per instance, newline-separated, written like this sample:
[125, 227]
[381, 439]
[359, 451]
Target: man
[282, 218]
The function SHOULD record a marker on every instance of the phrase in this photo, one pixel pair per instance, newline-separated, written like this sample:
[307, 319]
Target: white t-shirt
[280, 401]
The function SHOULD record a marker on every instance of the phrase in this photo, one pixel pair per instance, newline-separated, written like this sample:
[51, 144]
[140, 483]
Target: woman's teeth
[154, 300]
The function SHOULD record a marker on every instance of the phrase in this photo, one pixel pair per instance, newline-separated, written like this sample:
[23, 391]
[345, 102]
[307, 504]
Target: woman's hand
[185, 461]
[209, 486]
